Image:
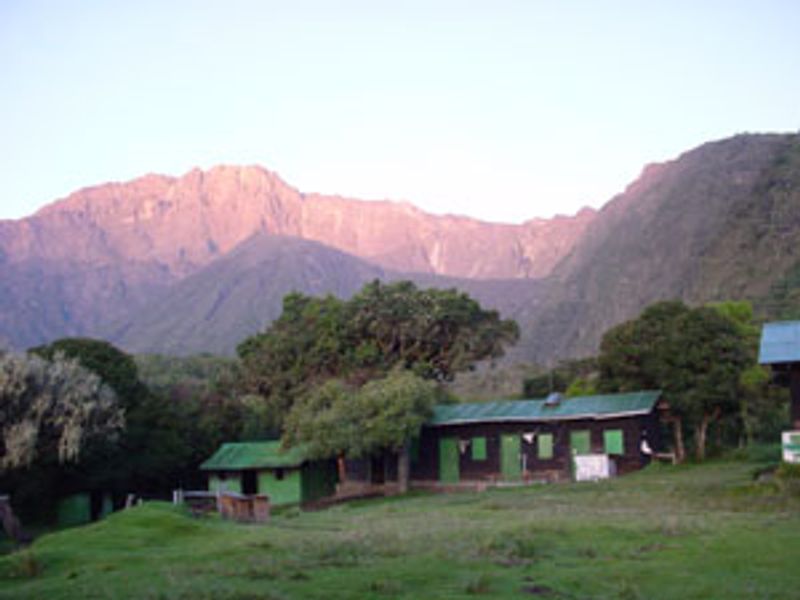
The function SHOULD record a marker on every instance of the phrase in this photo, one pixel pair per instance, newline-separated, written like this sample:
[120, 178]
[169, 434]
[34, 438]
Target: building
[780, 349]
[525, 440]
[286, 476]
[464, 445]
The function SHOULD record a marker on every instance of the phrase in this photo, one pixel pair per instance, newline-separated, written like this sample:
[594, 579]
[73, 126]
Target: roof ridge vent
[553, 399]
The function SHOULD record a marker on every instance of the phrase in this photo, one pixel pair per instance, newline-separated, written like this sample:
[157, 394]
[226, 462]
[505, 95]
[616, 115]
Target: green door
[448, 460]
[510, 457]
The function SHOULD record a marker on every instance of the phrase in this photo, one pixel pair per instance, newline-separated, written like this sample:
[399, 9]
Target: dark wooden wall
[794, 387]
[558, 467]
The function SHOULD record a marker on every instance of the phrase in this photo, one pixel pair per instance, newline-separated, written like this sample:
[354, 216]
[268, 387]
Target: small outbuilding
[780, 349]
[287, 476]
[536, 440]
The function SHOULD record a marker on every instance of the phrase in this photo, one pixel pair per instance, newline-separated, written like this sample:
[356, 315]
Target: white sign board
[593, 467]
[790, 442]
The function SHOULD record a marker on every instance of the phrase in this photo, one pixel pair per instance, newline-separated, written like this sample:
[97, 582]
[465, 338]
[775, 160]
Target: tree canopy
[117, 369]
[51, 408]
[433, 333]
[694, 355]
[337, 419]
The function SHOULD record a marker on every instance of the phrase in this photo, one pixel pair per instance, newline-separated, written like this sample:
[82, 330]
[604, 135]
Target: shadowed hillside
[720, 222]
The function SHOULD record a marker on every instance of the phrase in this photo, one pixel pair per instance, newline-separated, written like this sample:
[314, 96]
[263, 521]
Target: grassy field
[668, 532]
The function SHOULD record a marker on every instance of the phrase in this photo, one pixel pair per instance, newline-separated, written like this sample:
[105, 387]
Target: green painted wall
[318, 480]
[231, 483]
[74, 510]
[281, 491]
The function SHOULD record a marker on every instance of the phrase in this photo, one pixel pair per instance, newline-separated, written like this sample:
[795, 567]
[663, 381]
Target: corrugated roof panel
[780, 343]
[254, 455]
[537, 410]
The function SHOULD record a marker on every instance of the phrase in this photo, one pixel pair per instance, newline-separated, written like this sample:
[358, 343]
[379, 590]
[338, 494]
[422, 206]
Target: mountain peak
[182, 223]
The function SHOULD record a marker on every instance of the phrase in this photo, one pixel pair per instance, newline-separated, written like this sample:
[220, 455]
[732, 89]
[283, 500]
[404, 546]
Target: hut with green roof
[287, 476]
[537, 439]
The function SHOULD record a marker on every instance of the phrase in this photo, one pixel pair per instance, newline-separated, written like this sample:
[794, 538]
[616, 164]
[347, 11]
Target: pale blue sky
[499, 110]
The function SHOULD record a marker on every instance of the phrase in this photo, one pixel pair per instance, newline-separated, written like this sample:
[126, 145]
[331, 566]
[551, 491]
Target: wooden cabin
[535, 440]
[780, 349]
[285, 475]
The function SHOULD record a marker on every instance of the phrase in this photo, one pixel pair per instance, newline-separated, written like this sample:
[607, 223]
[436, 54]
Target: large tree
[384, 414]
[117, 369]
[433, 333]
[151, 453]
[51, 410]
[695, 356]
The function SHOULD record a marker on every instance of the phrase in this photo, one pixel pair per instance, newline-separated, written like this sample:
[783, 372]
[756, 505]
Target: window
[613, 441]
[544, 445]
[580, 442]
[279, 474]
[479, 448]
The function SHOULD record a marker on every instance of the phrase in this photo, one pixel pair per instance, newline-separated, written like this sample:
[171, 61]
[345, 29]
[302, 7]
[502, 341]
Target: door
[448, 460]
[249, 482]
[510, 457]
[377, 469]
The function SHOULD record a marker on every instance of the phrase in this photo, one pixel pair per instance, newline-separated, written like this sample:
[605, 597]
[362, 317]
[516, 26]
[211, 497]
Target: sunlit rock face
[184, 223]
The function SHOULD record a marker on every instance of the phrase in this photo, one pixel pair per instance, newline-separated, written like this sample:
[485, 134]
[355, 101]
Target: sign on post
[790, 443]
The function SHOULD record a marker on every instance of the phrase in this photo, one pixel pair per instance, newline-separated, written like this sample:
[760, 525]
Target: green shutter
[613, 441]
[479, 448]
[579, 441]
[544, 442]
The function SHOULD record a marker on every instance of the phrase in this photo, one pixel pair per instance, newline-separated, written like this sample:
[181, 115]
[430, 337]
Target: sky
[499, 110]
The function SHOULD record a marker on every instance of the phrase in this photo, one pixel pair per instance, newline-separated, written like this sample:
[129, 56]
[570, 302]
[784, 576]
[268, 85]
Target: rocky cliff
[184, 223]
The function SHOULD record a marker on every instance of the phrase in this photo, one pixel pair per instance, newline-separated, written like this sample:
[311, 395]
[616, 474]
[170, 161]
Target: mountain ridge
[718, 222]
[186, 222]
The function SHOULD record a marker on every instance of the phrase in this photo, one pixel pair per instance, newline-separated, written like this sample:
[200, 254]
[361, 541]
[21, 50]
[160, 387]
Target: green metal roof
[254, 455]
[780, 343]
[581, 407]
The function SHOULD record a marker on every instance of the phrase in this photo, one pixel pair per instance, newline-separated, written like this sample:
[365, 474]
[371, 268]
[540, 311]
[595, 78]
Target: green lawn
[667, 532]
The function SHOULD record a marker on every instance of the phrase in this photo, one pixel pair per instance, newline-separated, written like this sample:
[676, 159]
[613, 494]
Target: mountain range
[197, 263]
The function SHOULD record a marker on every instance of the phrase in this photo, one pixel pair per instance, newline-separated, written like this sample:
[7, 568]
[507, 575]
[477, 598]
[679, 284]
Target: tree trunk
[747, 424]
[700, 442]
[11, 524]
[677, 432]
[403, 468]
[341, 465]
[702, 434]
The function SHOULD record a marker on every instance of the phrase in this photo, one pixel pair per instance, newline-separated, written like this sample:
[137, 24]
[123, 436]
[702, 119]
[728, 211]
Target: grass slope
[685, 532]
